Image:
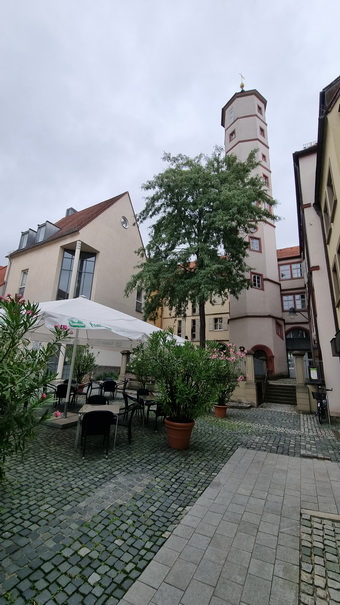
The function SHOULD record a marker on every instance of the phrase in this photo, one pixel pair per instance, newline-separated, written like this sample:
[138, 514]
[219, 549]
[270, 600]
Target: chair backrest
[97, 422]
[61, 390]
[109, 386]
[142, 393]
[97, 400]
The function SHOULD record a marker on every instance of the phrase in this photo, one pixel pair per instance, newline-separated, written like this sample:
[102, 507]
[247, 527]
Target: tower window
[262, 132]
[264, 158]
[259, 109]
[232, 135]
[255, 244]
[257, 280]
[265, 180]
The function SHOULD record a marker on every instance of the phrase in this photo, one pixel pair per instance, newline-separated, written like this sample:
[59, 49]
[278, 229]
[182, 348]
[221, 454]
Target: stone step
[280, 393]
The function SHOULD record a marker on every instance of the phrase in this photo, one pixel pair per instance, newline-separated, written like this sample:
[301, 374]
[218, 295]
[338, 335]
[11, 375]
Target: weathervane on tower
[242, 82]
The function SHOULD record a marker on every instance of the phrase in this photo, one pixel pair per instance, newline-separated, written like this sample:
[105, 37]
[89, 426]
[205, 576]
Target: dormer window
[41, 233]
[23, 240]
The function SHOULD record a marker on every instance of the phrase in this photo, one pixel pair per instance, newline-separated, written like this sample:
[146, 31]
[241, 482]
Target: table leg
[77, 432]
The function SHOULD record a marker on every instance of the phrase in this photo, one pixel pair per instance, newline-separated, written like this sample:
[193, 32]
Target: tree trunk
[201, 307]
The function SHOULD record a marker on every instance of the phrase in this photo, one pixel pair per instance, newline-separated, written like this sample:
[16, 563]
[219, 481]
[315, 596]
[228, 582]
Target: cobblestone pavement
[81, 531]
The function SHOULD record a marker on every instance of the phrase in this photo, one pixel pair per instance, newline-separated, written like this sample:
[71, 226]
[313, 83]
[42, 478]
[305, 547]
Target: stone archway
[264, 353]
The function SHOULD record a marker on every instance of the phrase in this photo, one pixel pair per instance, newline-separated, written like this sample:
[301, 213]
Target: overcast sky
[94, 91]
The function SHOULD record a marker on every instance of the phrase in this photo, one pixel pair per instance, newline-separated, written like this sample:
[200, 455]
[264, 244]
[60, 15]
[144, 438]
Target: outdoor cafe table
[112, 407]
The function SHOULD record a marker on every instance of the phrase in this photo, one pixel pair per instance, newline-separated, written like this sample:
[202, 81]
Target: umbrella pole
[69, 384]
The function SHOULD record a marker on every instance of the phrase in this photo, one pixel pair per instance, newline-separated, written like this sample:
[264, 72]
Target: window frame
[294, 301]
[23, 282]
[139, 300]
[232, 135]
[193, 329]
[289, 267]
[258, 276]
[255, 239]
[218, 324]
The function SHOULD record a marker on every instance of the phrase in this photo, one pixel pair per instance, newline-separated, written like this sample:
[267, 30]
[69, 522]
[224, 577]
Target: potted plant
[185, 382]
[226, 361]
[84, 364]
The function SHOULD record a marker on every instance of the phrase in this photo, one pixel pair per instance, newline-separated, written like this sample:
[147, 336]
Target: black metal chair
[125, 417]
[109, 386]
[61, 392]
[155, 408]
[122, 385]
[97, 423]
[97, 400]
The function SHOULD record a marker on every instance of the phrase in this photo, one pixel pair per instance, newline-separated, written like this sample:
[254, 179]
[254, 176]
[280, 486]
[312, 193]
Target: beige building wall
[322, 319]
[115, 260]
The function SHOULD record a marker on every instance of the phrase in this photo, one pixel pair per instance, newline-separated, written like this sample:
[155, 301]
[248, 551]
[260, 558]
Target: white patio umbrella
[92, 323]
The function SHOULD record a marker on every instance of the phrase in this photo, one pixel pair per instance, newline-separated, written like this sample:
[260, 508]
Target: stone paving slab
[83, 531]
[234, 548]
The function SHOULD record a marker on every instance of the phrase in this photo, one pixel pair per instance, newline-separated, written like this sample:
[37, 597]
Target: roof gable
[74, 222]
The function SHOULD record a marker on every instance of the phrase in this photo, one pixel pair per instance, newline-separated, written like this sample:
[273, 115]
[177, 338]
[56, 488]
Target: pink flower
[57, 414]
[43, 396]
[56, 325]
[28, 312]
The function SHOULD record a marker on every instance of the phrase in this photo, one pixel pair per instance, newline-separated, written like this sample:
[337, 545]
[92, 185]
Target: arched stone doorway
[263, 353]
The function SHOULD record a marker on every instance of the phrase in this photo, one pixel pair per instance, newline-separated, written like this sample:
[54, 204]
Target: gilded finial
[242, 82]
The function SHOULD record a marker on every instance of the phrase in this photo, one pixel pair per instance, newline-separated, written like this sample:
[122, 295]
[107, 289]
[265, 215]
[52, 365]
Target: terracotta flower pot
[220, 411]
[178, 433]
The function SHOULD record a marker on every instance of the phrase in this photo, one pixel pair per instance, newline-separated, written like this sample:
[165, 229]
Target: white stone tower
[256, 317]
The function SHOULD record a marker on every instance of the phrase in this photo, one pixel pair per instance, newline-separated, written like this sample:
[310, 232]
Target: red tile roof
[74, 222]
[288, 252]
[2, 274]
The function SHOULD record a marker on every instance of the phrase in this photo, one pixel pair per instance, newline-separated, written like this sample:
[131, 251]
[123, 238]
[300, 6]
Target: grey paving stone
[234, 571]
[261, 569]
[208, 572]
[256, 590]
[228, 590]
[197, 593]
[167, 595]
[263, 553]
[287, 571]
[266, 539]
[290, 555]
[283, 592]
[154, 574]
[191, 553]
[181, 574]
[139, 594]
[166, 555]
[241, 557]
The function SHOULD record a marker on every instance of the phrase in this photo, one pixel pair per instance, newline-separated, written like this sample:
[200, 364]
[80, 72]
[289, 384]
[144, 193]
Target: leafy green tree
[24, 375]
[203, 209]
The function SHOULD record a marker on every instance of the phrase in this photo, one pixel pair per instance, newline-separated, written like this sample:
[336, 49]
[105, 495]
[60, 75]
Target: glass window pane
[296, 270]
[284, 271]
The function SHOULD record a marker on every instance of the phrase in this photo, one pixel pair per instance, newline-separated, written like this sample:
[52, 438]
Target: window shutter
[211, 324]
[225, 323]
